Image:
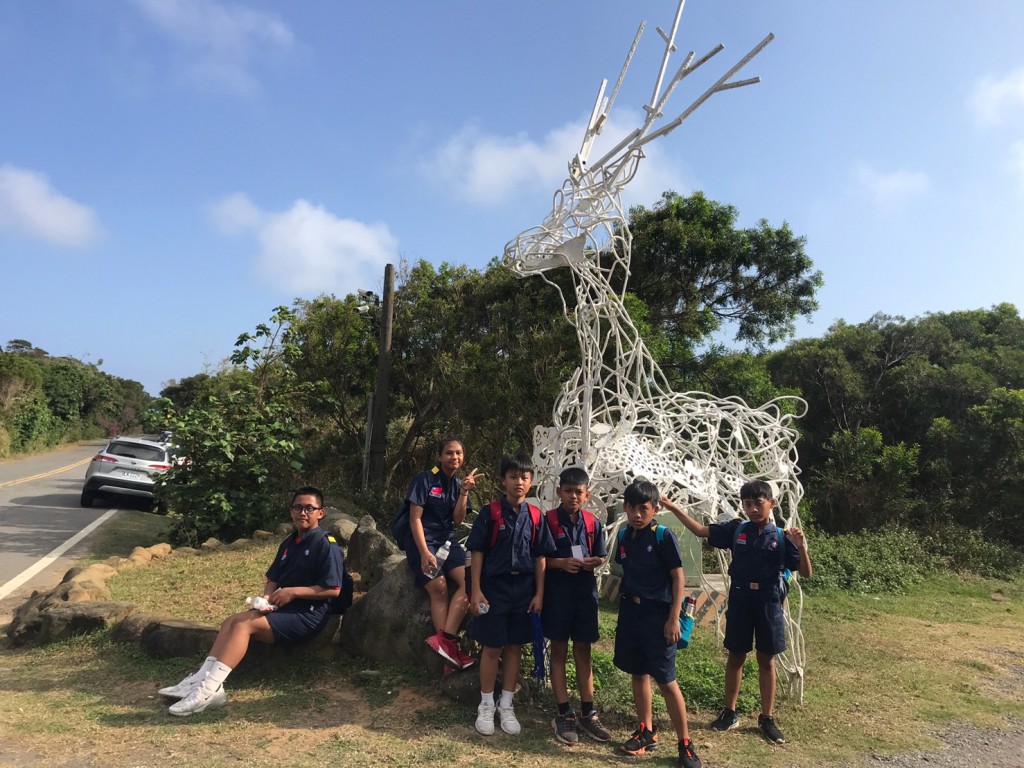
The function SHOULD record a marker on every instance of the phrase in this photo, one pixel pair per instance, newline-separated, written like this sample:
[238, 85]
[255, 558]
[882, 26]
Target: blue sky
[171, 170]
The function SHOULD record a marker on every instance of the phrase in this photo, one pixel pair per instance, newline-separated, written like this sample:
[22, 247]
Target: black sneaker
[687, 757]
[591, 726]
[643, 740]
[766, 723]
[565, 728]
[727, 720]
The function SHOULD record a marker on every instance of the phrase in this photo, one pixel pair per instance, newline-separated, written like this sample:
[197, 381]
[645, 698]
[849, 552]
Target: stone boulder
[129, 630]
[79, 585]
[341, 526]
[391, 623]
[63, 621]
[369, 551]
[175, 638]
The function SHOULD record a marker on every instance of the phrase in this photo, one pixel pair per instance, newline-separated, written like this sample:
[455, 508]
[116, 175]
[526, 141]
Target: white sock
[216, 676]
[487, 698]
[207, 666]
[506, 699]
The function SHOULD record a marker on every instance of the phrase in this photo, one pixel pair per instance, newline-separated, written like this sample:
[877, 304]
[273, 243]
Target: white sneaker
[198, 700]
[485, 719]
[509, 724]
[182, 689]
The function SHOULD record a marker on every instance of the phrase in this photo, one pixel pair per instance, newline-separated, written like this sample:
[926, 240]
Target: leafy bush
[965, 549]
[241, 446]
[887, 560]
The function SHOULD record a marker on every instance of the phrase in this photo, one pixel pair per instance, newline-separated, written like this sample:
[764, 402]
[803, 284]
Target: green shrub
[887, 560]
[964, 549]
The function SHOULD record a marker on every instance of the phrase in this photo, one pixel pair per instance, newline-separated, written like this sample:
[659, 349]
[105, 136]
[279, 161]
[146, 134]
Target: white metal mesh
[616, 416]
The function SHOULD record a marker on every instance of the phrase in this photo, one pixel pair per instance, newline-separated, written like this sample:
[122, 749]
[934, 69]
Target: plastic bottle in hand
[259, 603]
[440, 556]
[686, 620]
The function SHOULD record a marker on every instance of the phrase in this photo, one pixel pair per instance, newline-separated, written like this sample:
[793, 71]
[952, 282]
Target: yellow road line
[21, 480]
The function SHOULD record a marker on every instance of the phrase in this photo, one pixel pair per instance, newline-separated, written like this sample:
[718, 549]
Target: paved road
[40, 517]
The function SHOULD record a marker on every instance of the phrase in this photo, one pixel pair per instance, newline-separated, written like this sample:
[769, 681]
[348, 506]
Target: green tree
[698, 272]
[242, 447]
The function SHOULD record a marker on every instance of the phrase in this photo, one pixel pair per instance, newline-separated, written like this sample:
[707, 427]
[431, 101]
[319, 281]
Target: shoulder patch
[435, 470]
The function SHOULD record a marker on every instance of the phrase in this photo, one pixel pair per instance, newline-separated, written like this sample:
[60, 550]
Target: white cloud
[308, 250]
[490, 170]
[223, 38]
[236, 214]
[993, 100]
[886, 189]
[30, 205]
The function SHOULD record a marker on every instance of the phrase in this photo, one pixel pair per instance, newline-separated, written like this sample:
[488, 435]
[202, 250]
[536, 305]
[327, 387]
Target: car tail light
[101, 457]
[159, 466]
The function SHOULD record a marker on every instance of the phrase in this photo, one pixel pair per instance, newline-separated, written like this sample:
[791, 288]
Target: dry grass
[884, 675]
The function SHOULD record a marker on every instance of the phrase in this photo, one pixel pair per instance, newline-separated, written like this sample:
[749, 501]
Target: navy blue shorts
[754, 619]
[507, 622]
[456, 559]
[570, 614]
[640, 647]
[293, 627]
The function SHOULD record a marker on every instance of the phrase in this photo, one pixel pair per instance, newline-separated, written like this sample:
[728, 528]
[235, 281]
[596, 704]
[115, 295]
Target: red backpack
[495, 510]
[588, 521]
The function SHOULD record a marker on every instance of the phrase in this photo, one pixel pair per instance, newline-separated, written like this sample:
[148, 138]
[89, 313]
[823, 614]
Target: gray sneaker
[592, 726]
[565, 728]
[727, 720]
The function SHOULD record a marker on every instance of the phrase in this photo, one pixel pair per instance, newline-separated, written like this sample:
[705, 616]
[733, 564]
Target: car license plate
[132, 475]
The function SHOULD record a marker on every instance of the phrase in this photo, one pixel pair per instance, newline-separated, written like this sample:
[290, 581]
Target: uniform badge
[436, 492]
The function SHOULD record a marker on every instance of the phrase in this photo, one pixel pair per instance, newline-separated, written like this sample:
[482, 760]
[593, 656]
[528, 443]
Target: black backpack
[343, 601]
[400, 525]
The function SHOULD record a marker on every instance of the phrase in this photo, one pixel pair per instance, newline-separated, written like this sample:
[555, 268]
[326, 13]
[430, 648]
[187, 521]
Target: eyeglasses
[307, 508]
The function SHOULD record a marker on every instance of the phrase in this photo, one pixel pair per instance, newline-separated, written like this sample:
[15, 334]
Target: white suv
[128, 467]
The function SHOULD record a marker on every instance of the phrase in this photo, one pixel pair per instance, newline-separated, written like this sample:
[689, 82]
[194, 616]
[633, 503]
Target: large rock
[80, 585]
[63, 621]
[129, 630]
[177, 638]
[368, 551]
[342, 526]
[391, 623]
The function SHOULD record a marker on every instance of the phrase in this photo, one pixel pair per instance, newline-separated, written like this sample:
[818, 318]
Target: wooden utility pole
[379, 406]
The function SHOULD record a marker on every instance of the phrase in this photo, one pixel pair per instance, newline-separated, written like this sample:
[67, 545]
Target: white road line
[43, 562]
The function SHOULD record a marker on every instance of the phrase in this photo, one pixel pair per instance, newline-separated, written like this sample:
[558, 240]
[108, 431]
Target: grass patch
[885, 671]
[129, 529]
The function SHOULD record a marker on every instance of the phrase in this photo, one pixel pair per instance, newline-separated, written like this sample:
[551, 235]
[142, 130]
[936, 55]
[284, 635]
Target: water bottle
[440, 556]
[259, 603]
[686, 620]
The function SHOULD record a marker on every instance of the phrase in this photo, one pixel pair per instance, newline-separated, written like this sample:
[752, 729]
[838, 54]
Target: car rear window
[137, 451]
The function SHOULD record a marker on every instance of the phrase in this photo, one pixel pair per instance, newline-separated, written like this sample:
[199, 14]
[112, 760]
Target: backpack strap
[535, 518]
[495, 516]
[589, 522]
[553, 522]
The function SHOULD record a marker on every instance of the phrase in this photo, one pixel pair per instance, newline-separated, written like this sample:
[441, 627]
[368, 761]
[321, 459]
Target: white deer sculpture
[616, 416]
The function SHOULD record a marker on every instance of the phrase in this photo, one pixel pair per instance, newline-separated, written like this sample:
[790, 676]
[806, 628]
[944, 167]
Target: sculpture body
[616, 416]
